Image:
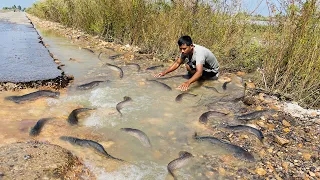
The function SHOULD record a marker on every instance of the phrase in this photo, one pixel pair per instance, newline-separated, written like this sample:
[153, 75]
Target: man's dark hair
[185, 40]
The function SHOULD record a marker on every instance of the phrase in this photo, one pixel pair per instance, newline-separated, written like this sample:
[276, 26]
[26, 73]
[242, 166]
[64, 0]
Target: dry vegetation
[285, 49]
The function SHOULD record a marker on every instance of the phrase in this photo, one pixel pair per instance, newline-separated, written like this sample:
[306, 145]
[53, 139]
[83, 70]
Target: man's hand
[184, 86]
[159, 74]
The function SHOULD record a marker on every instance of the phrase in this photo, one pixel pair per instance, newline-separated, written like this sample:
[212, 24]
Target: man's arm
[173, 67]
[195, 77]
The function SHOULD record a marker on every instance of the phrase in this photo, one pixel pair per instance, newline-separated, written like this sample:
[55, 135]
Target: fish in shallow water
[36, 129]
[154, 67]
[91, 85]
[143, 138]
[224, 86]
[175, 76]
[212, 88]
[90, 50]
[115, 56]
[249, 129]
[205, 116]
[116, 68]
[236, 151]
[180, 96]
[120, 105]
[254, 115]
[162, 84]
[88, 143]
[73, 116]
[33, 96]
[184, 158]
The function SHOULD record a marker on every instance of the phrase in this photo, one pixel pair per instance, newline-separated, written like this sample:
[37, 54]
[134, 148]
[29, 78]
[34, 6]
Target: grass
[286, 51]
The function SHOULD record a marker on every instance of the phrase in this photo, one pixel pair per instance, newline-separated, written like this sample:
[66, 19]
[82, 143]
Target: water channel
[170, 125]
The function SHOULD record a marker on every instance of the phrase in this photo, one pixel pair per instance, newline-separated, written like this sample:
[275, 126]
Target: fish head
[185, 154]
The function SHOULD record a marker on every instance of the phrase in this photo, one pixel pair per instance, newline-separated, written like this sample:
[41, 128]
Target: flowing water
[169, 125]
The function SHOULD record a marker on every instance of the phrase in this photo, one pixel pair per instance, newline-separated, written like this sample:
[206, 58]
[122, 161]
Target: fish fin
[195, 134]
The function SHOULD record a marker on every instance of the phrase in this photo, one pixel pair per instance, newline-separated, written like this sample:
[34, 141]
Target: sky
[248, 5]
[22, 3]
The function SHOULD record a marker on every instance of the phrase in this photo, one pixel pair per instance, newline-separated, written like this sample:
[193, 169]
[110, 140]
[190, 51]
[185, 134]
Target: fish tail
[115, 158]
[170, 172]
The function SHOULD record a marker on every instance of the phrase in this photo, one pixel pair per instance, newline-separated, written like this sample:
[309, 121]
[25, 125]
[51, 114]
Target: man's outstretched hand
[184, 86]
[159, 75]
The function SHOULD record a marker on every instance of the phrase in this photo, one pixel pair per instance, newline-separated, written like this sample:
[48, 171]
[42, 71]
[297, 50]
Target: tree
[14, 7]
[19, 7]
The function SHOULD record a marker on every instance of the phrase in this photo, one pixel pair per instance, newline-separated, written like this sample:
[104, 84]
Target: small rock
[280, 140]
[271, 126]
[306, 156]
[243, 136]
[312, 174]
[249, 100]
[171, 133]
[222, 171]
[258, 108]
[26, 157]
[209, 174]
[261, 96]
[141, 83]
[261, 171]
[286, 123]
[313, 114]
[250, 85]
[240, 73]
[286, 130]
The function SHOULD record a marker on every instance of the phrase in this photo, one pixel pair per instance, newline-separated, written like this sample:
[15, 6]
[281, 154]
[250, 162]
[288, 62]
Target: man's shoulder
[200, 48]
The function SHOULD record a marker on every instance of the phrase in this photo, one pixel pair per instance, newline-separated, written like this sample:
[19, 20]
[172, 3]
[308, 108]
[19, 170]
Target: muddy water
[169, 125]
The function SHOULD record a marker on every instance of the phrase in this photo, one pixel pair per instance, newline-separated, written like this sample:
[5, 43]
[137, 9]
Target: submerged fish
[236, 151]
[254, 115]
[114, 67]
[249, 129]
[143, 138]
[154, 67]
[212, 88]
[224, 86]
[35, 130]
[99, 56]
[204, 117]
[90, 85]
[120, 105]
[115, 56]
[33, 96]
[162, 84]
[90, 50]
[175, 76]
[184, 158]
[73, 116]
[88, 143]
[180, 96]
[134, 64]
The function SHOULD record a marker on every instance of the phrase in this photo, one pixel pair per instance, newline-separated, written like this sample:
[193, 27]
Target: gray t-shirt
[201, 55]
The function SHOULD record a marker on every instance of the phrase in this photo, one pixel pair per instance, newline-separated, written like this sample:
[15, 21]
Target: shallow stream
[170, 125]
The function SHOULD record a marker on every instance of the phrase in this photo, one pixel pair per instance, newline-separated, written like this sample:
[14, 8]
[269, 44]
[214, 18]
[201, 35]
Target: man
[200, 62]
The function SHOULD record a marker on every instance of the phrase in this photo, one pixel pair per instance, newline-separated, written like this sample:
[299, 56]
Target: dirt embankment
[34, 160]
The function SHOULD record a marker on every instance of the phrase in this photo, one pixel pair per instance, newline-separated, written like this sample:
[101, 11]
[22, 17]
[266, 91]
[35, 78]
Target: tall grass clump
[292, 64]
[286, 50]
[154, 26]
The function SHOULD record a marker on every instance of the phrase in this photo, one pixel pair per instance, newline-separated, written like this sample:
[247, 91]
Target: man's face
[186, 49]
